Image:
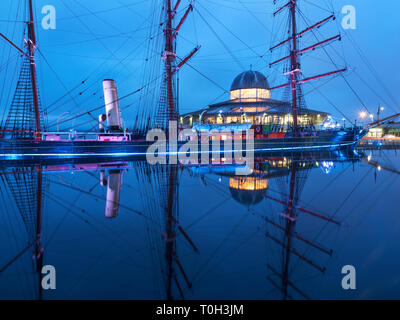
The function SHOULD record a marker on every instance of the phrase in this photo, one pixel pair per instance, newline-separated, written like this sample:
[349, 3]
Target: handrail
[376, 123]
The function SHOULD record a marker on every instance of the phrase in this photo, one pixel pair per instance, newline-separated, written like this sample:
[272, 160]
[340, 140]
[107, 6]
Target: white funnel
[111, 101]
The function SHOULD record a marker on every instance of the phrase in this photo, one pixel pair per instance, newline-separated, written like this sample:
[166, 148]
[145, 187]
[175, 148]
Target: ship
[281, 126]
[23, 136]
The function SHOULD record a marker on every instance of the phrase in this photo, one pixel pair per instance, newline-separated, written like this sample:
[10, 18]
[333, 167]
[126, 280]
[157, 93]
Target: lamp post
[379, 111]
[221, 115]
[363, 114]
[344, 123]
[58, 120]
[371, 116]
[188, 115]
[201, 115]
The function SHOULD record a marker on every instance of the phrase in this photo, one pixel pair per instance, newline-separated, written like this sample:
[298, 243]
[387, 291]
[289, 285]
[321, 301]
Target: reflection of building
[248, 190]
[250, 101]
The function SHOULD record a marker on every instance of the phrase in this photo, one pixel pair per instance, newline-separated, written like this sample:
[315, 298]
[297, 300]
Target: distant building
[250, 102]
[387, 130]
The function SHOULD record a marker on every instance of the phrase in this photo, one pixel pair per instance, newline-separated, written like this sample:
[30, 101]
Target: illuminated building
[250, 102]
[386, 130]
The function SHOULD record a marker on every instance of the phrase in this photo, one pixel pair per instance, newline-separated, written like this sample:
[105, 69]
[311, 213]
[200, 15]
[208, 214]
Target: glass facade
[248, 183]
[261, 118]
[249, 95]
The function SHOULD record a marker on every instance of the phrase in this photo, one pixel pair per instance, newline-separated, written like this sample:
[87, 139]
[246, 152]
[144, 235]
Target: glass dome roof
[249, 80]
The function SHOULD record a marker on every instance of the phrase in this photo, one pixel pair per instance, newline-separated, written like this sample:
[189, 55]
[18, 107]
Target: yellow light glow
[248, 183]
[252, 94]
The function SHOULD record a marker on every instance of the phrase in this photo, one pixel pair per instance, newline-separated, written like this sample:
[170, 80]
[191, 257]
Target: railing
[85, 136]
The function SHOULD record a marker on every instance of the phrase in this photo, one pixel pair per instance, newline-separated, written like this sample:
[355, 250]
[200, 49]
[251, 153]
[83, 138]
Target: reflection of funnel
[103, 178]
[113, 193]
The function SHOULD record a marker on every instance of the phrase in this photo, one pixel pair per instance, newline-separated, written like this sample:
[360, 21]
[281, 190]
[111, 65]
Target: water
[235, 244]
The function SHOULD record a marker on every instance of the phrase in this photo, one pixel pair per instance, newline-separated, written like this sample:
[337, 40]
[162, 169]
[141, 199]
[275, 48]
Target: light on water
[300, 219]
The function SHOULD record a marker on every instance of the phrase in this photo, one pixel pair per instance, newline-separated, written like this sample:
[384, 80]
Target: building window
[253, 94]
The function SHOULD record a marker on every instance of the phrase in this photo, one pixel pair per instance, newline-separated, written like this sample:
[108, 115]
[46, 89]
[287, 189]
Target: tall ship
[287, 125]
[278, 126]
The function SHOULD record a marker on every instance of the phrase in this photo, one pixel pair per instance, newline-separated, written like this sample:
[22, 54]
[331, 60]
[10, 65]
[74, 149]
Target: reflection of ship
[160, 193]
[113, 182]
[289, 245]
[248, 190]
[252, 187]
[169, 242]
[287, 236]
[26, 188]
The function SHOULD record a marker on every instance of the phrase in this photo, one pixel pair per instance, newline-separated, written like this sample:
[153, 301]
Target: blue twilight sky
[97, 39]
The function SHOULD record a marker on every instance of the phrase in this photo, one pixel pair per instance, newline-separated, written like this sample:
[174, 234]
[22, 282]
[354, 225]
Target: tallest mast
[293, 41]
[169, 59]
[31, 44]
[294, 64]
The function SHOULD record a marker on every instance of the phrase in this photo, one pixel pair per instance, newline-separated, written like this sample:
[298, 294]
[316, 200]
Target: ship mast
[294, 71]
[31, 44]
[170, 56]
[294, 65]
[170, 34]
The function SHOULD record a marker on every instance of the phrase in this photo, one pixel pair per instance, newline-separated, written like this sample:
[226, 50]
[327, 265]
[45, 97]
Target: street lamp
[379, 111]
[58, 119]
[201, 115]
[362, 116]
[221, 116]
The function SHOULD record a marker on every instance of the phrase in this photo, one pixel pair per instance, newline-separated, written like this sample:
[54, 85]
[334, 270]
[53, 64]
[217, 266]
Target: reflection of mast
[38, 248]
[171, 228]
[290, 215]
[171, 213]
[290, 224]
[159, 194]
[26, 187]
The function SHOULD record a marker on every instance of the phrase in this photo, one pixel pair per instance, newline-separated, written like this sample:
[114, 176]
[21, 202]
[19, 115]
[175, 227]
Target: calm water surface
[284, 232]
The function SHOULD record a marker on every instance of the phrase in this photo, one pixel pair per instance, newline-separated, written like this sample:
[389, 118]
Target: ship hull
[17, 150]
[324, 140]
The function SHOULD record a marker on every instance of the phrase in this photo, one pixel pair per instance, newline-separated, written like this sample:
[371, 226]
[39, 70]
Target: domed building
[250, 102]
[250, 86]
[248, 190]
